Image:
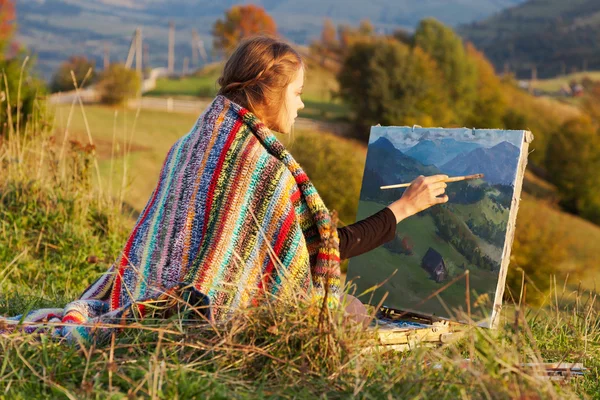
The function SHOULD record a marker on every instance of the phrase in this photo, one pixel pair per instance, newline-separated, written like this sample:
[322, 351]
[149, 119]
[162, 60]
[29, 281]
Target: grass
[555, 84]
[319, 100]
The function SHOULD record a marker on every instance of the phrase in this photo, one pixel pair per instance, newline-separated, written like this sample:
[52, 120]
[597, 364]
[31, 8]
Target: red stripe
[295, 196]
[301, 178]
[323, 256]
[213, 184]
[282, 236]
[114, 304]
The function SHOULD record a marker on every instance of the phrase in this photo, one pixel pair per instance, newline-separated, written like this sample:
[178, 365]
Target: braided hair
[256, 75]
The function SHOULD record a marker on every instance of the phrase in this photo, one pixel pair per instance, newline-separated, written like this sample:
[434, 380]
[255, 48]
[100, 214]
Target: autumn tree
[62, 80]
[118, 84]
[389, 83]
[240, 22]
[329, 35]
[573, 165]
[448, 51]
[7, 22]
[489, 105]
[19, 88]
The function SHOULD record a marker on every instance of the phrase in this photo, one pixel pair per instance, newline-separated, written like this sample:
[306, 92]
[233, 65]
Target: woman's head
[266, 76]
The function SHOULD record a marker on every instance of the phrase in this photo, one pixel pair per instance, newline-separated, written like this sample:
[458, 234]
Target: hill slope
[554, 35]
[56, 29]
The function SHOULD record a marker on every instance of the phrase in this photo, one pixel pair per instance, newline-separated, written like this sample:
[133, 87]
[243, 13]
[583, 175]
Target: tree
[387, 82]
[118, 84]
[80, 65]
[447, 49]
[7, 22]
[489, 105]
[240, 22]
[366, 28]
[20, 88]
[573, 165]
[329, 35]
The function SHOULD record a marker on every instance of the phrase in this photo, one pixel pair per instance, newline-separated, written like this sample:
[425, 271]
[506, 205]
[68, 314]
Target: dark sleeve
[367, 234]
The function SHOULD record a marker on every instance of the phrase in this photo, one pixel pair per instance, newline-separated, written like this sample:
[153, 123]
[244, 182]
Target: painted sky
[404, 138]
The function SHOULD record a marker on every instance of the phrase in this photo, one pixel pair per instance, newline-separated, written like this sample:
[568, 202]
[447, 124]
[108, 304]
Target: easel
[400, 330]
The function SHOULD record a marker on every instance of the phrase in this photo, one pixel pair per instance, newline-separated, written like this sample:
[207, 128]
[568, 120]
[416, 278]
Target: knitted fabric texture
[233, 216]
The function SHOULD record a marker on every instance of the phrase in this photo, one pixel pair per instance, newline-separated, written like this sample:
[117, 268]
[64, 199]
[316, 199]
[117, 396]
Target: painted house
[434, 264]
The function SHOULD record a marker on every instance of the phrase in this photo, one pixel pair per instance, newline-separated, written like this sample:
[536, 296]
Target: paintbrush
[451, 179]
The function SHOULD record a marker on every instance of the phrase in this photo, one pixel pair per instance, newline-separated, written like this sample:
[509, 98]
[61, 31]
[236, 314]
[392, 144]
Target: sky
[404, 138]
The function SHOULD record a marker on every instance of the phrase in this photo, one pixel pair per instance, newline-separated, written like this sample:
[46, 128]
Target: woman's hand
[422, 193]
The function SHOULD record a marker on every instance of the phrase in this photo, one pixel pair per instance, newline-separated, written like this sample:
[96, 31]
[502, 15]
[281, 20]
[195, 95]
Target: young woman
[234, 218]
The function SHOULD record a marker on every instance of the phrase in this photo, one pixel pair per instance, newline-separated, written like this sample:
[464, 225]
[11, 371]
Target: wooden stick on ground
[452, 179]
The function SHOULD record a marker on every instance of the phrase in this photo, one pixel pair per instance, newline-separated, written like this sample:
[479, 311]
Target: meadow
[55, 219]
[61, 229]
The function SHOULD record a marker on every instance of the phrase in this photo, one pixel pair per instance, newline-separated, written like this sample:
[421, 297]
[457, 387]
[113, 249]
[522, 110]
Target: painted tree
[240, 22]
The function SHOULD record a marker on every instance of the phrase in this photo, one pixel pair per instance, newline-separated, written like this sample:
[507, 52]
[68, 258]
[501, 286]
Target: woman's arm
[367, 234]
[372, 232]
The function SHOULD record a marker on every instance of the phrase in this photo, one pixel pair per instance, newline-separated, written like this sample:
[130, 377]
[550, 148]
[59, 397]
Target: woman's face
[293, 102]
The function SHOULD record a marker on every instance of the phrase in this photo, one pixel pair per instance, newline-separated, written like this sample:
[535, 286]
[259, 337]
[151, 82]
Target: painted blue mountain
[439, 152]
[498, 163]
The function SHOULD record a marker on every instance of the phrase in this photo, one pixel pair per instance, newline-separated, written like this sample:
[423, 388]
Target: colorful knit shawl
[232, 214]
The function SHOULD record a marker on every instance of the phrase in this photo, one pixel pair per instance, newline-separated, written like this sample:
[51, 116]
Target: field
[319, 103]
[555, 84]
[51, 228]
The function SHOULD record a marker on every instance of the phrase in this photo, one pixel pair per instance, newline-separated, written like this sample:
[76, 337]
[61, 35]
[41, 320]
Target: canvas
[473, 231]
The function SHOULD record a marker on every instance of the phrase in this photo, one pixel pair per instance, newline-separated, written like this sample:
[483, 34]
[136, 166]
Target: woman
[233, 217]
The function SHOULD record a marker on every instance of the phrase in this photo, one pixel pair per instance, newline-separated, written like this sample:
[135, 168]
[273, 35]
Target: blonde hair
[256, 76]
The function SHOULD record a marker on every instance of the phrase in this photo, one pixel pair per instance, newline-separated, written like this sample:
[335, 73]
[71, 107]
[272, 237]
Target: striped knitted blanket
[233, 216]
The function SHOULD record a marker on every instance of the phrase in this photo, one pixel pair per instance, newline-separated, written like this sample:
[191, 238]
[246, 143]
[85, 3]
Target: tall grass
[58, 233]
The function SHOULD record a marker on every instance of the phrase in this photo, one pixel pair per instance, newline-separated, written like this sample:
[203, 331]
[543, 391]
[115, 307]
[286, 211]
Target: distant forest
[552, 37]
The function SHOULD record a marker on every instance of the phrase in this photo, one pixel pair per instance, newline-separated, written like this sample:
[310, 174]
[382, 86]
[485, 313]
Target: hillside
[556, 36]
[55, 29]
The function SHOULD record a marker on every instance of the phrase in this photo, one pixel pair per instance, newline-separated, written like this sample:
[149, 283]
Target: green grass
[319, 88]
[555, 84]
[202, 84]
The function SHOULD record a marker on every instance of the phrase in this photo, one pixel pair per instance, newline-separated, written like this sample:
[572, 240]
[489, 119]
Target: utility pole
[186, 62]
[138, 51]
[198, 45]
[533, 78]
[146, 55]
[194, 53]
[171, 65]
[106, 56]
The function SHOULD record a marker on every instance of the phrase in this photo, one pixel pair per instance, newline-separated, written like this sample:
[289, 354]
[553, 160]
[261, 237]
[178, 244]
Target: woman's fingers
[440, 200]
[435, 178]
[438, 191]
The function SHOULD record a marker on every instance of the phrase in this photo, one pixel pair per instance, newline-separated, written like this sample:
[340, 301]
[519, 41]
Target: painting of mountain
[438, 245]
[439, 152]
[492, 162]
